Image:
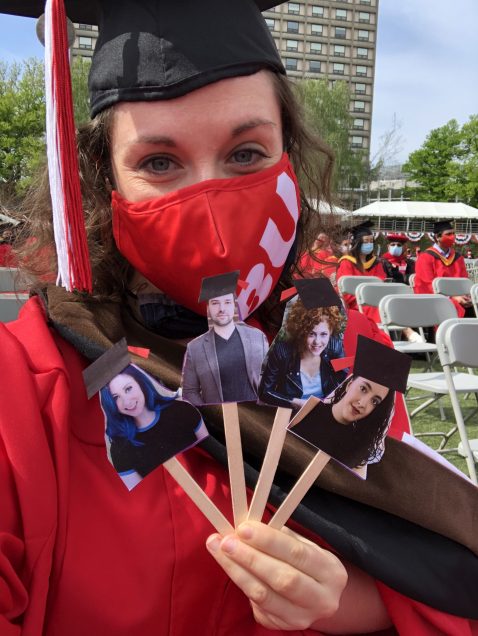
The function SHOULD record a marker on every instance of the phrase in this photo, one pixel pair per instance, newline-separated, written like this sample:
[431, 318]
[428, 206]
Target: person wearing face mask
[361, 261]
[441, 260]
[395, 262]
[187, 170]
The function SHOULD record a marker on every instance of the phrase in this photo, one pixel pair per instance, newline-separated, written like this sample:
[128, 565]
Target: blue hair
[120, 425]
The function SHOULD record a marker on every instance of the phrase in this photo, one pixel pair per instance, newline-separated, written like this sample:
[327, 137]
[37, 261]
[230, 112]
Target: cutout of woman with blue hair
[143, 427]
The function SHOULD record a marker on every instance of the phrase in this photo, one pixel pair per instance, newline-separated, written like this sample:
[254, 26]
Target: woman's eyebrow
[250, 124]
[153, 140]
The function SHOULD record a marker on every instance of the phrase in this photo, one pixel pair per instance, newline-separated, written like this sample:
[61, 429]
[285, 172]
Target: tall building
[332, 39]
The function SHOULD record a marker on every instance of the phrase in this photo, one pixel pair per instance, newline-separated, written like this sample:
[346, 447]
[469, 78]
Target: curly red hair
[300, 322]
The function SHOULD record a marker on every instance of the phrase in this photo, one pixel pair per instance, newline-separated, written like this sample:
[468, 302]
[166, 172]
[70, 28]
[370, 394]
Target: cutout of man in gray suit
[224, 364]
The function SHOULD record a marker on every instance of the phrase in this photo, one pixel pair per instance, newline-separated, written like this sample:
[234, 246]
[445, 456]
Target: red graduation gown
[430, 264]
[79, 554]
[348, 267]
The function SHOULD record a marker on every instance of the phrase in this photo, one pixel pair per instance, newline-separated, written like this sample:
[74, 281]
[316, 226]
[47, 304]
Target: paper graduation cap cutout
[442, 226]
[150, 49]
[317, 292]
[363, 229]
[220, 285]
[382, 364]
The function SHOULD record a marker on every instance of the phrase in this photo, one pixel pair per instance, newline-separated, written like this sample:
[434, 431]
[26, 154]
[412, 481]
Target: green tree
[22, 123]
[80, 69]
[326, 108]
[446, 166]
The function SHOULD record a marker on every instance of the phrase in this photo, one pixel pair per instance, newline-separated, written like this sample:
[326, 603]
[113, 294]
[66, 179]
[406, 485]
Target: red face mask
[247, 223]
[447, 241]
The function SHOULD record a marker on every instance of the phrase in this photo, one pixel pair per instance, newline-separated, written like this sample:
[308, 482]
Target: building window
[363, 35]
[359, 106]
[316, 29]
[85, 27]
[271, 24]
[359, 123]
[361, 71]
[364, 17]
[369, 2]
[317, 12]
[292, 45]
[340, 33]
[360, 89]
[314, 66]
[291, 63]
[340, 14]
[292, 27]
[357, 142]
[293, 7]
[338, 68]
[339, 50]
[315, 47]
[85, 42]
[363, 53]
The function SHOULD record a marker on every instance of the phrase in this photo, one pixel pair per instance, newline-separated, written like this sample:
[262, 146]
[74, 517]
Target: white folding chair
[348, 284]
[411, 281]
[10, 305]
[418, 311]
[474, 297]
[451, 286]
[457, 342]
[7, 279]
[370, 295]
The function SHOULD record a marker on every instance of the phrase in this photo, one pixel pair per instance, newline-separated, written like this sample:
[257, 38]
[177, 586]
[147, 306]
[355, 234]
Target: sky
[426, 68]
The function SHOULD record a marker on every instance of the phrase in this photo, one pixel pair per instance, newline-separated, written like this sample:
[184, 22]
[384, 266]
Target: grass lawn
[429, 420]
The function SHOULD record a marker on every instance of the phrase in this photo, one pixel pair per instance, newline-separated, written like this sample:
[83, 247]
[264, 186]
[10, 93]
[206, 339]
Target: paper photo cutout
[298, 364]
[145, 424]
[224, 364]
[350, 425]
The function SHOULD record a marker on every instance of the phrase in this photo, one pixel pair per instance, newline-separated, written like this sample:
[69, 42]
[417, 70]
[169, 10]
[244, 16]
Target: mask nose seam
[215, 225]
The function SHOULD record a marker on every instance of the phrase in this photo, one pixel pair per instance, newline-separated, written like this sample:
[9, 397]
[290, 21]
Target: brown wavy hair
[300, 322]
[312, 159]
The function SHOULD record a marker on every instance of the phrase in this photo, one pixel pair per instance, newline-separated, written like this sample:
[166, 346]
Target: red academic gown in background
[348, 267]
[432, 264]
[315, 265]
[79, 553]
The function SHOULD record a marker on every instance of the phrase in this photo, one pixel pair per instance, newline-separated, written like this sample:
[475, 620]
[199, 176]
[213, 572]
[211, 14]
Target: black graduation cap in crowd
[317, 292]
[442, 226]
[220, 285]
[161, 49]
[379, 363]
[362, 229]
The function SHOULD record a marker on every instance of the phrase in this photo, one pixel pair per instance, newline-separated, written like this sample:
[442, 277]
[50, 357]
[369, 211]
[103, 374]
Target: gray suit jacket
[201, 379]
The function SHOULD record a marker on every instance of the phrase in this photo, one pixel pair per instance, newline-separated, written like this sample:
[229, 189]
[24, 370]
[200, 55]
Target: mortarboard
[215, 286]
[162, 49]
[317, 292]
[442, 226]
[381, 364]
[363, 229]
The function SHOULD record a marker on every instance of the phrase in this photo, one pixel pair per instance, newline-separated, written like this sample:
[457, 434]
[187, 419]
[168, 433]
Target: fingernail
[229, 545]
[245, 531]
[212, 544]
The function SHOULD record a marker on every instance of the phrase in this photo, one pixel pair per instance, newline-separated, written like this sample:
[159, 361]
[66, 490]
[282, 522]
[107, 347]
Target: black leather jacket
[280, 378]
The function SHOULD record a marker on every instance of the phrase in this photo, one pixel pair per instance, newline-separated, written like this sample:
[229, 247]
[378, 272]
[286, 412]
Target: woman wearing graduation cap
[361, 261]
[441, 260]
[187, 173]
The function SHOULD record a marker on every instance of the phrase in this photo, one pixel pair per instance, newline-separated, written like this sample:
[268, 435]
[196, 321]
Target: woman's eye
[158, 164]
[247, 156]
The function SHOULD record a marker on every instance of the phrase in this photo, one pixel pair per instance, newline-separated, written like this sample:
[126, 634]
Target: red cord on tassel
[78, 255]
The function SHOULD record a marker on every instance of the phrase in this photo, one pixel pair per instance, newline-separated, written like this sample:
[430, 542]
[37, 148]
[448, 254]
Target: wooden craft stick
[235, 462]
[197, 494]
[269, 465]
[299, 491]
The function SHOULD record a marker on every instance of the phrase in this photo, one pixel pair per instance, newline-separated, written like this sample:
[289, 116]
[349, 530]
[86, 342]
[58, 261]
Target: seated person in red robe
[395, 262]
[441, 260]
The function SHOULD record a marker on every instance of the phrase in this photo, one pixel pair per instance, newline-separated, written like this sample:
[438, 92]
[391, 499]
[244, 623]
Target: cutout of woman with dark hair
[351, 425]
[298, 365]
[144, 428]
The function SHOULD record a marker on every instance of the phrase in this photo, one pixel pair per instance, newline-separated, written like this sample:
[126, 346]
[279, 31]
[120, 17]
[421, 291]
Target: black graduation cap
[442, 226]
[317, 292]
[363, 229]
[384, 365]
[220, 285]
[161, 49]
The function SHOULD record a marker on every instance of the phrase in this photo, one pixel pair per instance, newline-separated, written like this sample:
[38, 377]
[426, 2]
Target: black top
[172, 432]
[235, 383]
